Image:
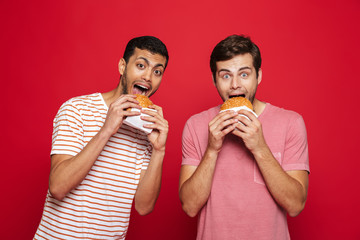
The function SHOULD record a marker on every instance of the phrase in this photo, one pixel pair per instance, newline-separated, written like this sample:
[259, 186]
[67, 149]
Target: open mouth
[240, 95]
[140, 89]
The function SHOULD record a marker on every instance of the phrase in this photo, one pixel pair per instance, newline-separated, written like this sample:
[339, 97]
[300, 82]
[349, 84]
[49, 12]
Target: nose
[235, 82]
[146, 75]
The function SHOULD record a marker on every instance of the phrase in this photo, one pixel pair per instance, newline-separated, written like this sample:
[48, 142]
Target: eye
[158, 72]
[140, 65]
[226, 76]
[244, 75]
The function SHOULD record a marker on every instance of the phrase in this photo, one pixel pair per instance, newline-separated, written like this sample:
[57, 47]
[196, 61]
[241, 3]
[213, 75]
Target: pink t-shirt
[239, 205]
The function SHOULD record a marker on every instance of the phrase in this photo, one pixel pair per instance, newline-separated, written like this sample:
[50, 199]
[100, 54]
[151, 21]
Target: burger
[143, 100]
[136, 121]
[236, 102]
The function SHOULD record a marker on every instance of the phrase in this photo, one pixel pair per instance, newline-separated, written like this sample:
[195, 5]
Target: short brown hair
[232, 46]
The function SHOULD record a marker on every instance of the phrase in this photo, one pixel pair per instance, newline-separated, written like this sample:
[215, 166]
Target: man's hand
[159, 125]
[219, 127]
[250, 131]
[117, 112]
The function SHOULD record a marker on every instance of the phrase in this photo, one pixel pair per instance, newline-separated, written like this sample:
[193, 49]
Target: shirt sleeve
[190, 154]
[68, 131]
[296, 155]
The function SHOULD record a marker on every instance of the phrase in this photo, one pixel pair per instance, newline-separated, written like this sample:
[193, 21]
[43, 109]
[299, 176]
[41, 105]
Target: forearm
[66, 174]
[288, 192]
[195, 191]
[150, 183]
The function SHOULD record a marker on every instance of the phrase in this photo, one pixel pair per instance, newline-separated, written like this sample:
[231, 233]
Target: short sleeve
[68, 132]
[190, 155]
[296, 156]
[147, 156]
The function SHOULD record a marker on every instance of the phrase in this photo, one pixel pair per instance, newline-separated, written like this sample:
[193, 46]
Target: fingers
[157, 121]
[123, 103]
[160, 126]
[126, 97]
[220, 126]
[222, 121]
[248, 114]
[223, 127]
[117, 112]
[155, 118]
[126, 105]
[157, 113]
[157, 108]
[130, 113]
[223, 116]
[243, 120]
[228, 129]
[124, 100]
[247, 123]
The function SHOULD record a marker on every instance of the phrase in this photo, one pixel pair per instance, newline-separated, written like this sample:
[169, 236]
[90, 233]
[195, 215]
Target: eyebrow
[240, 69]
[148, 62]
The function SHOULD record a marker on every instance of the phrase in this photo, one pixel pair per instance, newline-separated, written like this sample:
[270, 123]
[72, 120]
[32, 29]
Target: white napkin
[137, 122]
[240, 108]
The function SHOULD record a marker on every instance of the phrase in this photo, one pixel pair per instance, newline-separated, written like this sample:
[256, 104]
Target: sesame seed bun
[144, 101]
[236, 102]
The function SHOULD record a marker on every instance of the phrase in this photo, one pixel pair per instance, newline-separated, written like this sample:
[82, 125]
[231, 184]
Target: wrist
[213, 148]
[212, 152]
[105, 133]
[160, 152]
[262, 153]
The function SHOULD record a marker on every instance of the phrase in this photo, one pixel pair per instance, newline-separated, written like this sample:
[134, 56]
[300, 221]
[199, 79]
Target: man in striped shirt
[100, 165]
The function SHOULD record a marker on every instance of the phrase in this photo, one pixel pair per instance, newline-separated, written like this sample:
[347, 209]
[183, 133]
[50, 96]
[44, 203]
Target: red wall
[51, 51]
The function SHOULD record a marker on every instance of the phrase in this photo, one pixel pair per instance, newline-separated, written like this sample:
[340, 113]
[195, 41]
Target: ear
[122, 66]
[212, 76]
[259, 76]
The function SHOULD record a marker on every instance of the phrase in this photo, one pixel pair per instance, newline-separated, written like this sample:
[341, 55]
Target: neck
[259, 106]
[110, 97]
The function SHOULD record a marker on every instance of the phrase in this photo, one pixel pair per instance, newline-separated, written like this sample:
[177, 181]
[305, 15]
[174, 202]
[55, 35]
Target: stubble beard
[252, 97]
[123, 83]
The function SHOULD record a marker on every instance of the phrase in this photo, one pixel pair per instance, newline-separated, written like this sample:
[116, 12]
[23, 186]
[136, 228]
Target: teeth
[143, 87]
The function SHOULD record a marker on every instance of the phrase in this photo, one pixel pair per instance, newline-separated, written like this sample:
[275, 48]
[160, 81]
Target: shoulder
[77, 106]
[278, 117]
[83, 102]
[280, 113]
[198, 123]
[203, 117]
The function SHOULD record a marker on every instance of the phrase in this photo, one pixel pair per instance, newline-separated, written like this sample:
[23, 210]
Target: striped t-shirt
[99, 207]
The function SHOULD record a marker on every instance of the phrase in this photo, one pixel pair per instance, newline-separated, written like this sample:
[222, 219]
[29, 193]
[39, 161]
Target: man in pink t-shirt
[243, 175]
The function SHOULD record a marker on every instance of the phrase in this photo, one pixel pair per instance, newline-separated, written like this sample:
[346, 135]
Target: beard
[252, 97]
[123, 83]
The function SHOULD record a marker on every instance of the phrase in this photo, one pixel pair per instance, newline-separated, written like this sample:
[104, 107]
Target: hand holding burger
[136, 121]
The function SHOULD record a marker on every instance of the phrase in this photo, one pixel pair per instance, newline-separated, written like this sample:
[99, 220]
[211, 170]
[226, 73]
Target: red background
[52, 51]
